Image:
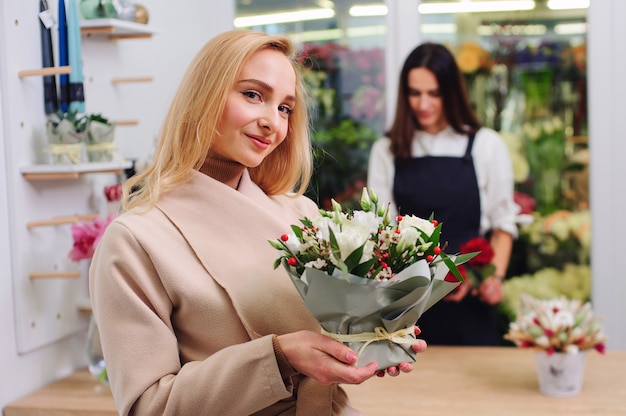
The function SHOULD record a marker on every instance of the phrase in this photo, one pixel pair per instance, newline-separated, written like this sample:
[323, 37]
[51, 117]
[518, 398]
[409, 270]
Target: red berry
[435, 223]
[399, 218]
[437, 250]
[429, 258]
[292, 261]
[398, 231]
[384, 265]
[284, 237]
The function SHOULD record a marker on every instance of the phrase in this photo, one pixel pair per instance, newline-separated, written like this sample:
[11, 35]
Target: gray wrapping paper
[348, 304]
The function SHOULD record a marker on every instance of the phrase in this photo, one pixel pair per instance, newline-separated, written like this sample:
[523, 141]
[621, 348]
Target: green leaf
[353, 259]
[334, 246]
[363, 268]
[297, 231]
[452, 267]
[462, 258]
[278, 262]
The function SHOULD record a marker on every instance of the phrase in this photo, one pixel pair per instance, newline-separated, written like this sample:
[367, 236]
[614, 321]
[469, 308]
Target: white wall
[182, 26]
[607, 143]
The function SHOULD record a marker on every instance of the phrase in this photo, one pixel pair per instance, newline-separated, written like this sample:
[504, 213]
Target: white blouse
[494, 172]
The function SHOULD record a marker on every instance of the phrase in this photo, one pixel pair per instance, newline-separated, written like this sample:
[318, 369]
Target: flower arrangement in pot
[66, 134]
[561, 331]
[100, 141]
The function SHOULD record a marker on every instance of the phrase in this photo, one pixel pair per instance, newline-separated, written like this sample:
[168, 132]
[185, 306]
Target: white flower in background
[548, 127]
[556, 325]
[560, 229]
[532, 131]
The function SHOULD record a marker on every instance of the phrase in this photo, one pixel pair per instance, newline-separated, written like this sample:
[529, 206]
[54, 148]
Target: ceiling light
[295, 16]
[476, 6]
[336, 34]
[511, 30]
[570, 28]
[568, 4]
[369, 10]
[441, 28]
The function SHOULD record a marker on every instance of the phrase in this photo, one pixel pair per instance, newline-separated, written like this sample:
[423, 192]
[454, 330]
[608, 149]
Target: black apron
[447, 187]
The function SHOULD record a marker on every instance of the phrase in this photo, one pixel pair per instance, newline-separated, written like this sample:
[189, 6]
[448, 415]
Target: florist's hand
[324, 359]
[490, 291]
[459, 293]
[405, 367]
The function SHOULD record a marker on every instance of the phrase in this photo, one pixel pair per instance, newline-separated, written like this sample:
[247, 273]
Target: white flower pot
[560, 374]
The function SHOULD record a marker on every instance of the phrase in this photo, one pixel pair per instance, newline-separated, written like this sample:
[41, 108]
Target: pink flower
[86, 237]
[525, 202]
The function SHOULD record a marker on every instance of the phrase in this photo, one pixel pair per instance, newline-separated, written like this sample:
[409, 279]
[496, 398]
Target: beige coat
[186, 299]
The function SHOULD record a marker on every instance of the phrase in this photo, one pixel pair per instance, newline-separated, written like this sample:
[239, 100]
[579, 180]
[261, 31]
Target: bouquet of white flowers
[366, 279]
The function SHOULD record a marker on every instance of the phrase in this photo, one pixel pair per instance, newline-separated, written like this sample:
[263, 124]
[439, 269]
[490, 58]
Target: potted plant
[66, 133]
[561, 331]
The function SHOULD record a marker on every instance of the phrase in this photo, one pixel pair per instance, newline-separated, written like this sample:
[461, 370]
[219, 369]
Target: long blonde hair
[191, 125]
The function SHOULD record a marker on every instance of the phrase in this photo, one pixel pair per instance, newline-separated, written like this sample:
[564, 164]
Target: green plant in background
[573, 282]
[348, 111]
[545, 151]
[557, 239]
[341, 153]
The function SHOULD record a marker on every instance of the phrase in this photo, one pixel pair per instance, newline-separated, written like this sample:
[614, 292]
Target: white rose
[409, 221]
[366, 220]
[351, 238]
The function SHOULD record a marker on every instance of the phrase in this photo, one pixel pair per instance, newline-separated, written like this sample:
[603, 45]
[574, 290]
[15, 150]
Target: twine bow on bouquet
[366, 279]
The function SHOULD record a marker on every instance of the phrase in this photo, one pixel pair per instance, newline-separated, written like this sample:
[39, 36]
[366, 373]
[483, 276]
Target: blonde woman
[194, 320]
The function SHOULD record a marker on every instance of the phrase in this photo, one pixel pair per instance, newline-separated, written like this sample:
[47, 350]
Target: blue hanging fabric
[76, 90]
[64, 82]
[50, 99]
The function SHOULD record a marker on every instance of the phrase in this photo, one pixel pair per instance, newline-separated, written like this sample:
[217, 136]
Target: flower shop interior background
[529, 76]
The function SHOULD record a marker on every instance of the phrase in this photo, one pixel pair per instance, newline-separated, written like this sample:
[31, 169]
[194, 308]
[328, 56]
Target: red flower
[452, 278]
[483, 259]
[113, 192]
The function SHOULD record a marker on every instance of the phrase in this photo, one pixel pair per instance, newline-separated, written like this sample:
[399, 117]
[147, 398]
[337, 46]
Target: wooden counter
[477, 381]
[77, 395]
[446, 381]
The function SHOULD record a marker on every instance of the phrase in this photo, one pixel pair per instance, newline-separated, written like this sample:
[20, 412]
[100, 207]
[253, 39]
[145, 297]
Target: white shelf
[69, 171]
[115, 28]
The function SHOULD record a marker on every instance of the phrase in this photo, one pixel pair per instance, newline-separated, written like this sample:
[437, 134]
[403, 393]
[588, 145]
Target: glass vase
[94, 353]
